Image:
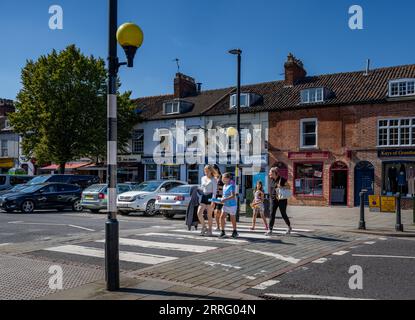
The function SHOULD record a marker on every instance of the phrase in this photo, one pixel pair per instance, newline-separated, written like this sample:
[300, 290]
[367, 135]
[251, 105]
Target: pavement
[161, 260]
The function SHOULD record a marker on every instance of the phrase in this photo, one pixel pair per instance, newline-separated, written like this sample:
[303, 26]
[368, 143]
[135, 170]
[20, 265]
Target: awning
[69, 166]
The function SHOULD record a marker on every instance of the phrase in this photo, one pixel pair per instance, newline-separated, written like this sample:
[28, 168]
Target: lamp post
[130, 37]
[238, 53]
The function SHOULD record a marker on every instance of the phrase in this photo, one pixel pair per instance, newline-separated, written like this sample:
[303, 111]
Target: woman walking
[277, 182]
[229, 206]
[258, 205]
[219, 193]
[208, 189]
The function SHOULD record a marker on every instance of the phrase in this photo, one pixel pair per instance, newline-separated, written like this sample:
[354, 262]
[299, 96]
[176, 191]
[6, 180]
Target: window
[4, 148]
[193, 174]
[308, 133]
[138, 142]
[309, 179]
[399, 177]
[170, 173]
[151, 172]
[402, 88]
[245, 100]
[16, 180]
[312, 95]
[396, 132]
[171, 108]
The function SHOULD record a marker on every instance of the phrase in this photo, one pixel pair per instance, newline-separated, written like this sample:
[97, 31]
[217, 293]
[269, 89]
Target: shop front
[6, 164]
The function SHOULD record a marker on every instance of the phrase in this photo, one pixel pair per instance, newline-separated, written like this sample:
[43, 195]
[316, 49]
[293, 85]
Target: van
[9, 181]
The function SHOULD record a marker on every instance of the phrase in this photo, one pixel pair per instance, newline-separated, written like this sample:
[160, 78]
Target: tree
[61, 111]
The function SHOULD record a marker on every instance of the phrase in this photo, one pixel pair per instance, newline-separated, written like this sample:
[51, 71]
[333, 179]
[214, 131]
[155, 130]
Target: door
[47, 197]
[339, 184]
[364, 179]
[66, 195]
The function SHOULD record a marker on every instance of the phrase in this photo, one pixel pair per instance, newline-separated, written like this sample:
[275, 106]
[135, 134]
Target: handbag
[284, 194]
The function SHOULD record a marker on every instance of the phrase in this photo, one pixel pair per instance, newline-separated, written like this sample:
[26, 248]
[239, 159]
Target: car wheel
[151, 209]
[28, 206]
[77, 207]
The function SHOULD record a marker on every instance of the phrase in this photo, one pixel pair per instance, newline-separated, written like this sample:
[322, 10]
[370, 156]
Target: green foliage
[61, 111]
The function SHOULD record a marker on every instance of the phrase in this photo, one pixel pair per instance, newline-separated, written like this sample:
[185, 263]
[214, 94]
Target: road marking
[142, 258]
[309, 296]
[383, 239]
[4, 244]
[266, 284]
[185, 236]
[227, 267]
[370, 242]
[276, 256]
[79, 227]
[163, 245]
[320, 261]
[340, 253]
[381, 256]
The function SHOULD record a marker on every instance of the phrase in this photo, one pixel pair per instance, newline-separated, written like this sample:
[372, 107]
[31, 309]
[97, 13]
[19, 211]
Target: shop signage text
[393, 153]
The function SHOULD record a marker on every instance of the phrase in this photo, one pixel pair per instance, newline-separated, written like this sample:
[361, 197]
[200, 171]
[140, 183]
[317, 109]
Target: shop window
[399, 177]
[170, 173]
[309, 179]
[308, 133]
[193, 174]
[151, 172]
[396, 132]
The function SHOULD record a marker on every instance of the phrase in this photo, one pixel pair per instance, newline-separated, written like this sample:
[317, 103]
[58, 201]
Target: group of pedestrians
[218, 200]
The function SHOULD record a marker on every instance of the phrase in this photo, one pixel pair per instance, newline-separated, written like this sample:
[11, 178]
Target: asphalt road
[388, 273]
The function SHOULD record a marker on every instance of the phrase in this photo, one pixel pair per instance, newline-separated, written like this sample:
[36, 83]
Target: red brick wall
[339, 129]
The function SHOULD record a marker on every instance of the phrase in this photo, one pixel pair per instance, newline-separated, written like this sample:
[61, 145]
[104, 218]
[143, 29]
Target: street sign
[374, 203]
[388, 204]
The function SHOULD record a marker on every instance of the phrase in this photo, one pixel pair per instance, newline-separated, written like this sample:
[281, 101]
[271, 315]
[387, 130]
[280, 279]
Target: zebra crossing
[159, 245]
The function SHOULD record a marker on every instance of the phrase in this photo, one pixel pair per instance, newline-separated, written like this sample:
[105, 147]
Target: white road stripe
[124, 255]
[320, 261]
[163, 245]
[195, 237]
[266, 285]
[370, 242]
[340, 253]
[276, 256]
[381, 256]
[82, 228]
[4, 244]
[308, 296]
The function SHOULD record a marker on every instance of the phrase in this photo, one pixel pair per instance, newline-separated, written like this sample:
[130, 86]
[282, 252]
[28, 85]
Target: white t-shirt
[209, 186]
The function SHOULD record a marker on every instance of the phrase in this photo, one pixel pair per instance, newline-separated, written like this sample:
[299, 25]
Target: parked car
[176, 201]
[13, 190]
[43, 196]
[143, 198]
[9, 181]
[95, 199]
[83, 181]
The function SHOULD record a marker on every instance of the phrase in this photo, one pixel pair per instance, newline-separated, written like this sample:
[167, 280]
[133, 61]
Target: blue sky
[200, 32]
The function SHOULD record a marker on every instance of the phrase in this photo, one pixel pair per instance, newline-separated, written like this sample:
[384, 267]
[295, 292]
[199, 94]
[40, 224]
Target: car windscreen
[38, 180]
[96, 188]
[184, 190]
[147, 186]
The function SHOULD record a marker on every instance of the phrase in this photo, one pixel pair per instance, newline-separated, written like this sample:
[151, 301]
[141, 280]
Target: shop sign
[388, 204]
[129, 158]
[308, 155]
[374, 203]
[6, 163]
[396, 153]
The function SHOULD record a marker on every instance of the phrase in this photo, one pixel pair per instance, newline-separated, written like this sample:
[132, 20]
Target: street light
[238, 53]
[130, 38]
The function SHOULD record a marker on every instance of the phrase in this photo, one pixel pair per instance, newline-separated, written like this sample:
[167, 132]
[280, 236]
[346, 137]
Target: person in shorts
[207, 188]
[258, 205]
[229, 205]
[219, 194]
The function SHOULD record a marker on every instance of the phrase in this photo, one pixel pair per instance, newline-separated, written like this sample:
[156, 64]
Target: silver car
[176, 201]
[95, 197]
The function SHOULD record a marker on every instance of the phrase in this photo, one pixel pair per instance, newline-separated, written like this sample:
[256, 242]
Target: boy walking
[229, 205]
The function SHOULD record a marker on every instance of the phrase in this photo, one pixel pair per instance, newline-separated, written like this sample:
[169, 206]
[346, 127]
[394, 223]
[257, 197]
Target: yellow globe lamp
[130, 37]
[232, 132]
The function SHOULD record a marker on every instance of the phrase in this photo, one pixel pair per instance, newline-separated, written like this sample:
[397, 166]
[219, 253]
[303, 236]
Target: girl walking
[258, 205]
[208, 187]
[229, 205]
[277, 182]
[219, 193]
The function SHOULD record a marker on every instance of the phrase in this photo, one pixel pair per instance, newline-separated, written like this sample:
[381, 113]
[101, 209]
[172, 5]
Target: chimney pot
[294, 70]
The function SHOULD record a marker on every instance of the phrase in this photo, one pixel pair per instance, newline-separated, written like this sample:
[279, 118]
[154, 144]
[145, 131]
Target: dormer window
[245, 100]
[171, 108]
[402, 88]
[312, 95]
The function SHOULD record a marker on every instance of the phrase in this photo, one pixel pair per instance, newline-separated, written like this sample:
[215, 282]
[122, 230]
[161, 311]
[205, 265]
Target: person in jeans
[208, 187]
[276, 182]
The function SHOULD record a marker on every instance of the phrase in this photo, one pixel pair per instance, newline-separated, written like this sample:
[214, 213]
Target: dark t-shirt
[274, 184]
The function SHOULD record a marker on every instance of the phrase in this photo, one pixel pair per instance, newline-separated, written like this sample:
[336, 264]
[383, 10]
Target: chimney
[294, 70]
[184, 86]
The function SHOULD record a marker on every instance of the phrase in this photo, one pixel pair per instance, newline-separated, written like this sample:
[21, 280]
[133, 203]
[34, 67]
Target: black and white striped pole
[130, 38]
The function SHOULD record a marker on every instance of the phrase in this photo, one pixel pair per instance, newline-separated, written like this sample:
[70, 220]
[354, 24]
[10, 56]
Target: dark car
[9, 181]
[83, 181]
[43, 197]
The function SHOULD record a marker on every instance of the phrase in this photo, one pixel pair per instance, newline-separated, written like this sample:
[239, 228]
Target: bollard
[399, 225]
[362, 223]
